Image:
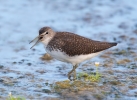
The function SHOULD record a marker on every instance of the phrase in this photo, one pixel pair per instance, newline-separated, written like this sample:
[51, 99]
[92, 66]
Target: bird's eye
[47, 33]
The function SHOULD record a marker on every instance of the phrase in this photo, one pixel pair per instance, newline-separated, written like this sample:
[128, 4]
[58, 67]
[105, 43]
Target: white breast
[71, 59]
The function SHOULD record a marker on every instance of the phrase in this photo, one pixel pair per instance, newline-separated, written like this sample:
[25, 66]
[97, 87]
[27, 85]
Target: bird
[70, 47]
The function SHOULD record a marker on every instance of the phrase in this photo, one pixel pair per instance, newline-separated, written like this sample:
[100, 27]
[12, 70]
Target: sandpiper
[70, 47]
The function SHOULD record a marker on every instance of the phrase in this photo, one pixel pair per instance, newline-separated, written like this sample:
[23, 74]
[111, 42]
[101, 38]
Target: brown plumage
[43, 29]
[73, 44]
[70, 47]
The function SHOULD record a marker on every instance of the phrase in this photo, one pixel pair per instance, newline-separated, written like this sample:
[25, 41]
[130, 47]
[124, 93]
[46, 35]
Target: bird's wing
[73, 44]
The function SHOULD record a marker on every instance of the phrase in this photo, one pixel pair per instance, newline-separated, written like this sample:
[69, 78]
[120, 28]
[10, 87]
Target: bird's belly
[58, 55]
[71, 59]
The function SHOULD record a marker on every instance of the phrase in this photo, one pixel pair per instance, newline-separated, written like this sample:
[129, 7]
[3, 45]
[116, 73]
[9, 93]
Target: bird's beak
[37, 38]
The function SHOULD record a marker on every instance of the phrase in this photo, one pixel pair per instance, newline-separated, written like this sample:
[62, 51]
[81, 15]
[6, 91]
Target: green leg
[73, 70]
[74, 75]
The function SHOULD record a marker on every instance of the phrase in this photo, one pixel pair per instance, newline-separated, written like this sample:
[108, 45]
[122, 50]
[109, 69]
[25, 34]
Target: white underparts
[71, 59]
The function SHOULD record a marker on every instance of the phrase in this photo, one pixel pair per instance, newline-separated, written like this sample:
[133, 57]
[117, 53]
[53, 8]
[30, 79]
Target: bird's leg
[73, 70]
[74, 74]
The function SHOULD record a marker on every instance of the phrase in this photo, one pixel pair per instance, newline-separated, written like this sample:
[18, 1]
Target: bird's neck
[48, 39]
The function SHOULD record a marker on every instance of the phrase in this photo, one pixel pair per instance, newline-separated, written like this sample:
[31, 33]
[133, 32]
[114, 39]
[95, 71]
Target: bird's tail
[113, 44]
[100, 46]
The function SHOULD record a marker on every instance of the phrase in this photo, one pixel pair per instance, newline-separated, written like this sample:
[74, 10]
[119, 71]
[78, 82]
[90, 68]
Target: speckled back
[73, 44]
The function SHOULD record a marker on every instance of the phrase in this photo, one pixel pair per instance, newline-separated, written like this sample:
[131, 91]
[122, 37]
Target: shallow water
[22, 72]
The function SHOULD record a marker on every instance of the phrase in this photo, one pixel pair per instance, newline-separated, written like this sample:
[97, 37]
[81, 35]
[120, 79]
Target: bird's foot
[74, 73]
[72, 78]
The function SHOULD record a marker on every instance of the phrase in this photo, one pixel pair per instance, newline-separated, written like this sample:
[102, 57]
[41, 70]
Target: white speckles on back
[73, 44]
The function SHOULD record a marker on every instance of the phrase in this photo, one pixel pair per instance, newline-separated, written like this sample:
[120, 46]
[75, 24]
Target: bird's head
[45, 35]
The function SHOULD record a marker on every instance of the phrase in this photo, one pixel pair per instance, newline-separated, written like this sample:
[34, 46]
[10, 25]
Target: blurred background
[20, 21]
